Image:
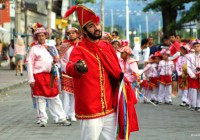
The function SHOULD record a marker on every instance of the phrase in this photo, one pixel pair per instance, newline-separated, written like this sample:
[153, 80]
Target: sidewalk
[8, 80]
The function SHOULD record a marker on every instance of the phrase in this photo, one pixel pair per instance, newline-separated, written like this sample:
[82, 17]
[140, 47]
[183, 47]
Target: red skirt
[67, 83]
[146, 85]
[180, 81]
[193, 83]
[43, 87]
[154, 81]
[165, 79]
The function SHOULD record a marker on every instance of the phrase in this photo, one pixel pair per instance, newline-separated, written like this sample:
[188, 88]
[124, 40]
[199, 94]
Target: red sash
[154, 81]
[165, 79]
[144, 84]
[43, 87]
[193, 83]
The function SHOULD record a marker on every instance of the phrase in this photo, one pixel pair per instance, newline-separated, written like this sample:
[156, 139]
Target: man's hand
[81, 67]
[32, 84]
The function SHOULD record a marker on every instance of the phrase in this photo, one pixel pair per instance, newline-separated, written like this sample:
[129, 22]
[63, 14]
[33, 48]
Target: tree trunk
[169, 15]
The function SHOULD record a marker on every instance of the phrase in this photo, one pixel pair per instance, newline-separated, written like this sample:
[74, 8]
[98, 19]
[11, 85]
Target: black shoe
[153, 101]
[156, 102]
[168, 103]
[21, 74]
[192, 109]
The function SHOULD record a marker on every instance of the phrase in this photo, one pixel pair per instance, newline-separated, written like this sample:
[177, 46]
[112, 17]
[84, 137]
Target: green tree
[169, 10]
[191, 14]
[83, 1]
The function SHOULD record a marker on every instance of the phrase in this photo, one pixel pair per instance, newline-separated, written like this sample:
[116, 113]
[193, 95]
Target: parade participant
[165, 69]
[116, 45]
[181, 68]
[107, 37]
[96, 74]
[141, 54]
[193, 65]
[39, 77]
[19, 53]
[67, 96]
[128, 65]
[145, 85]
[154, 76]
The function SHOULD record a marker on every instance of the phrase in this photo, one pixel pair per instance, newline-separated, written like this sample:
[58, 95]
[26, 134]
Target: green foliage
[84, 1]
[191, 14]
[169, 9]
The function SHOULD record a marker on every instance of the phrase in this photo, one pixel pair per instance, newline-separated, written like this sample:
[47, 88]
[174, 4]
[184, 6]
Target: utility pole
[26, 26]
[112, 20]
[127, 21]
[147, 26]
[49, 9]
[102, 14]
[18, 16]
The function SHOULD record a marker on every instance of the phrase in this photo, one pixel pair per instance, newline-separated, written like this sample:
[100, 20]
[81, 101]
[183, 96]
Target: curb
[3, 90]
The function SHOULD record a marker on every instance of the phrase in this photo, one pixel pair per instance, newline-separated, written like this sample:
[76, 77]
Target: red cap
[85, 15]
[157, 54]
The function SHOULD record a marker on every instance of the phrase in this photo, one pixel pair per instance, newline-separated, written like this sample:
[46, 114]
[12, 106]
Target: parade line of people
[82, 76]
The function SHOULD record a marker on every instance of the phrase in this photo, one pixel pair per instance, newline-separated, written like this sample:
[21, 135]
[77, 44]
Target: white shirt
[166, 67]
[39, 60]
[192, 63]
[179, 64]
[141, 55]
[129, 68]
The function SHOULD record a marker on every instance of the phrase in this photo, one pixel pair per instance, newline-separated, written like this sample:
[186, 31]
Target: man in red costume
[96, 73]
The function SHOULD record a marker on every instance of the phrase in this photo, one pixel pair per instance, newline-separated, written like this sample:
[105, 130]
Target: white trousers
[165, 93]
[55, 108]
[68, 104]
[154, 95]
[91, 129]
[51, 110]
[184, 96]
[194, 97]
[147, 93]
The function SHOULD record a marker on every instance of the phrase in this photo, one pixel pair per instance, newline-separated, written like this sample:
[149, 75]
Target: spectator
[115, 35]
[58, 44]
[178, 39]
[19, 52]
[165, 44]
[152, 46]
[11, 54]
[141, 53]
[0, 52]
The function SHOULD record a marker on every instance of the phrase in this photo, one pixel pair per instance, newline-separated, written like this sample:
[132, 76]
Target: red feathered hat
[85, 15]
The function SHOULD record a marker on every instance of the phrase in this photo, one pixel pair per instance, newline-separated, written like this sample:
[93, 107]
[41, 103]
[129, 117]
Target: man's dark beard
[92, 36]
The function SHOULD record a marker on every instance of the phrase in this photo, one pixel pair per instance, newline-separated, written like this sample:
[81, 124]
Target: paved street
[164, 122]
